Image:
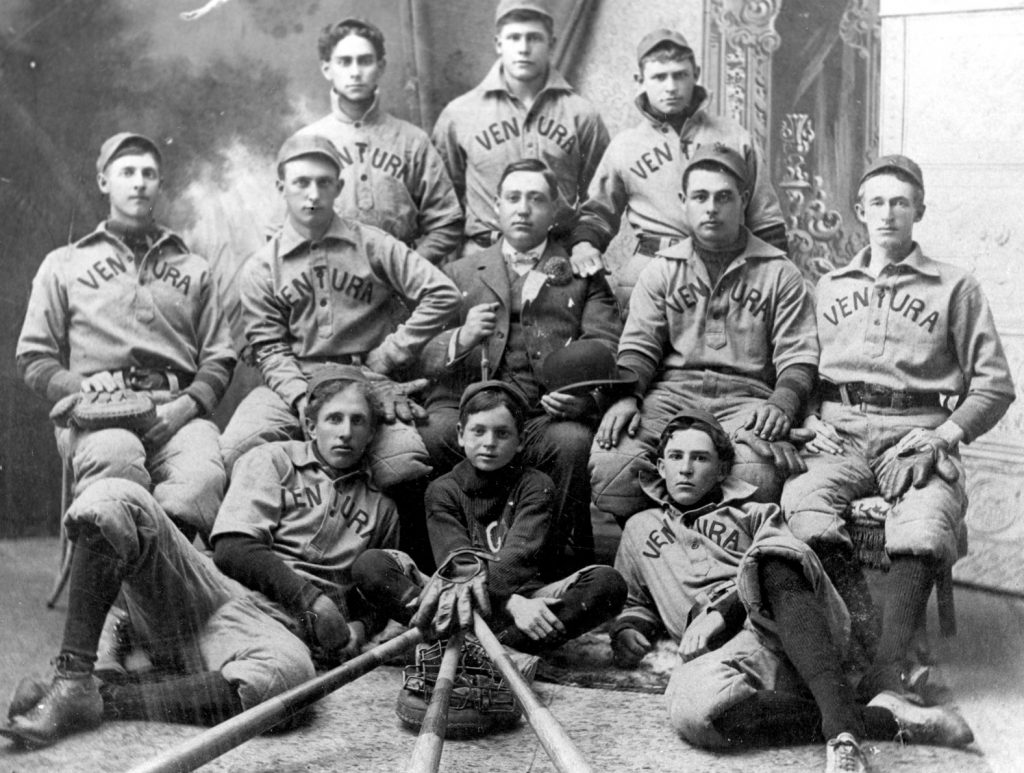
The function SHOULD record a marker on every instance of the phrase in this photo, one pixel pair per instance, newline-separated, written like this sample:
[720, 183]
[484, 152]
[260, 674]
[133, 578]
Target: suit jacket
[561, 312]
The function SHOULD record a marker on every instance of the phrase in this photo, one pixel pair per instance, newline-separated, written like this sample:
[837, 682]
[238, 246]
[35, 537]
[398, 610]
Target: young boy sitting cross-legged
[762, 632]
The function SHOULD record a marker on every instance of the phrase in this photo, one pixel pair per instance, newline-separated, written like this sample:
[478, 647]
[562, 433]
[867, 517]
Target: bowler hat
[581, 366]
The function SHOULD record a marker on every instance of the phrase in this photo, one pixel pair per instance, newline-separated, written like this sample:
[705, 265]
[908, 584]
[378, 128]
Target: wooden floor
[617, 731]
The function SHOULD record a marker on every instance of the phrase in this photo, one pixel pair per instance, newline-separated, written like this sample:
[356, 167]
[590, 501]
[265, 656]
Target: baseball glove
[783, 453]
[457, 588]
[896, 470]
[394, 399]
[121, 409]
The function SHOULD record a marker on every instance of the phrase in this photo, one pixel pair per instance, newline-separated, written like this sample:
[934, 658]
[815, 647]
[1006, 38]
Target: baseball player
[319, 293]
[299, 513]
[130, 307]
[721, 321]
[762, 633]
[523, 108]
[900, 333]
[520, 305]
[392, 177]
[640, 172]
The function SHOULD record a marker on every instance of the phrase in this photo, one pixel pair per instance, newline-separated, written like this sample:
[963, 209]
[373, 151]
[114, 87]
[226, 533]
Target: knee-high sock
[909, 585]
[847, 575]
[93, 585]
[803, 629]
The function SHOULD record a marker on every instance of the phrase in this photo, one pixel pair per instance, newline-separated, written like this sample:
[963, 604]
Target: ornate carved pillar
[739, 40]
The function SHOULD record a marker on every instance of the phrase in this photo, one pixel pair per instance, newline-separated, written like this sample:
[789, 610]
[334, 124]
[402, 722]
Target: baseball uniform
[922, 332]
[481, 132]
[394, 179]
[95, 307]
[696, 344]
[306, 303]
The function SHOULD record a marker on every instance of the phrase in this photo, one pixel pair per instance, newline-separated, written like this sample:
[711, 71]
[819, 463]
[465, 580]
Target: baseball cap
[112, 145]
[656, 38]
[690, 416]
[505, 7]
[721, 155]
[304, 144]
[903, 164]
[502, 386]
[582, 366]
[334, 373]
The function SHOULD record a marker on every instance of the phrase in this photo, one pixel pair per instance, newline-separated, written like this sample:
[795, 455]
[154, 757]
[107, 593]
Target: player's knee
[261, 676]
[110, 453]
[692, 718]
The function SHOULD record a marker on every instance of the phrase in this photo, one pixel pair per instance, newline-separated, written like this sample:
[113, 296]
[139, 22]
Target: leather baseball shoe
[69, 704]
[935, 725]
[843, 755]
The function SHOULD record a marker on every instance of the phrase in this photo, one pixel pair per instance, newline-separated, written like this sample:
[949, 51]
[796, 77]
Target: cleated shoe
[70, 703]
[481, 700]
[934, 725]
[843, 755]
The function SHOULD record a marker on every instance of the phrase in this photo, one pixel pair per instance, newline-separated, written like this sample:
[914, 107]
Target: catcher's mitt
[121, 409]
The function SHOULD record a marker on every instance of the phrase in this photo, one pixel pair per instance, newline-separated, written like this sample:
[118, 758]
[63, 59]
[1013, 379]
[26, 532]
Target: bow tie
[521, 262]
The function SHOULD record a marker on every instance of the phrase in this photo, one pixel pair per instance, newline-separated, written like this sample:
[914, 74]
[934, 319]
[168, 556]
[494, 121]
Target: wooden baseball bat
[426, 756]
[556, 742]
[212, 743]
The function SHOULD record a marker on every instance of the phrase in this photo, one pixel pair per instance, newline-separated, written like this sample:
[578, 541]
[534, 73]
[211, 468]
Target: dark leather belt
[340, 359]
[142, 379]
[652, 245]
[861, 393]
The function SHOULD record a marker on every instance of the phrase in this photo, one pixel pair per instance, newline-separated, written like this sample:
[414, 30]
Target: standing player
[392, 177]
[721, 321]
[129, 307]
[762, 633]
[523, 108]
[640, 172]
[900, 333]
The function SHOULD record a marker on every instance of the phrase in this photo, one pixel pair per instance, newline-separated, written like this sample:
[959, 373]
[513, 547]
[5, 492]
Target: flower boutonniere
[558, 270]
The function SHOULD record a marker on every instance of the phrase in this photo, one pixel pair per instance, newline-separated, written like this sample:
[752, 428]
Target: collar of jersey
[471, 480]
[700, 94]
[303, 455]
[755, 250]
[370, 116]
[290, 240]
[915, 261]
[495, 81]
[165, 236]
[734, 492]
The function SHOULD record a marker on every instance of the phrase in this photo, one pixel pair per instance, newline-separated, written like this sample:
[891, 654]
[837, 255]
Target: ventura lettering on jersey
[309, 497]
[910, 306]
[687, 296]
[379, 158]
[501, 132]
[322, 278]
[112, 267]
[722, 533]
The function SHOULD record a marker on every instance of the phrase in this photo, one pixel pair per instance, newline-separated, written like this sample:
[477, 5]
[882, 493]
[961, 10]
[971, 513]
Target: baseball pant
[185, 475]
[397, 454]
[184, 612]
[558, 448]
[927, 521]
[615, 474]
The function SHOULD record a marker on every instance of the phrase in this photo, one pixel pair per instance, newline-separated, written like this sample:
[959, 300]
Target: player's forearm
[256, 566]
[45, 376]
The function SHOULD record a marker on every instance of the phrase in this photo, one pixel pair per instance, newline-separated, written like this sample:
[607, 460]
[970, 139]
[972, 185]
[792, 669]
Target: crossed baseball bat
[426, 757]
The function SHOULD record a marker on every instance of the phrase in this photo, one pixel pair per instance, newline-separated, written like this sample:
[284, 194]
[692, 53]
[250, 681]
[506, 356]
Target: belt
[144, 379]
[861, 393]
[338, 359]
[652, 245]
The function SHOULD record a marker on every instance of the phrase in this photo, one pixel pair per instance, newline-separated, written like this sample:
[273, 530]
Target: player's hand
[327, 627]
[782, 452]
[768, 422]
[586, 260]
[629, 647]
[377, 362]
[481, 322]
[104, 381]
[624, 414]
[826, 439]
[700, 633]
[563, 407]
[170, 417]
[535, 617]
[394, 398]
[356, 640]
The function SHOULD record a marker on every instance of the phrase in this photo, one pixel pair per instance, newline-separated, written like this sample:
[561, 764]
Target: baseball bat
[212, 743]
[556, 742]
[426, 756]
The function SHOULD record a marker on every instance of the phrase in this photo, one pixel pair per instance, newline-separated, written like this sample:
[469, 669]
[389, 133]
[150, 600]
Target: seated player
[520, 304]
[900, 335]
[299, 513]
[492, 502]
[762, 632]
[129, 306]
[721, 321]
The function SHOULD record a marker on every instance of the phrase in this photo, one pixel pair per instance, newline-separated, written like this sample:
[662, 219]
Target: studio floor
[356, 729]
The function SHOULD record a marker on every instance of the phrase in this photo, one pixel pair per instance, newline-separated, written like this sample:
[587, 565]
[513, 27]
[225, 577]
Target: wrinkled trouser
[185, 475]
[184, 612]
[396, 455]
[927, 521]
[615, 474]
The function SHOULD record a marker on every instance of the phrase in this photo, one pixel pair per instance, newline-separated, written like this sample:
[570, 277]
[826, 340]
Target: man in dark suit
[521, 303]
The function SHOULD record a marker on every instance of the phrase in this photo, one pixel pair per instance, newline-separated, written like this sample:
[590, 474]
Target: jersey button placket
[321, 278]
[878, 320]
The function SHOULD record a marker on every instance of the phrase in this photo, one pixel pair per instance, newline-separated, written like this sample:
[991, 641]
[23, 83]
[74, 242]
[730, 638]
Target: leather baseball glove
[896, 470]
[458, 587]
[121, 409]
